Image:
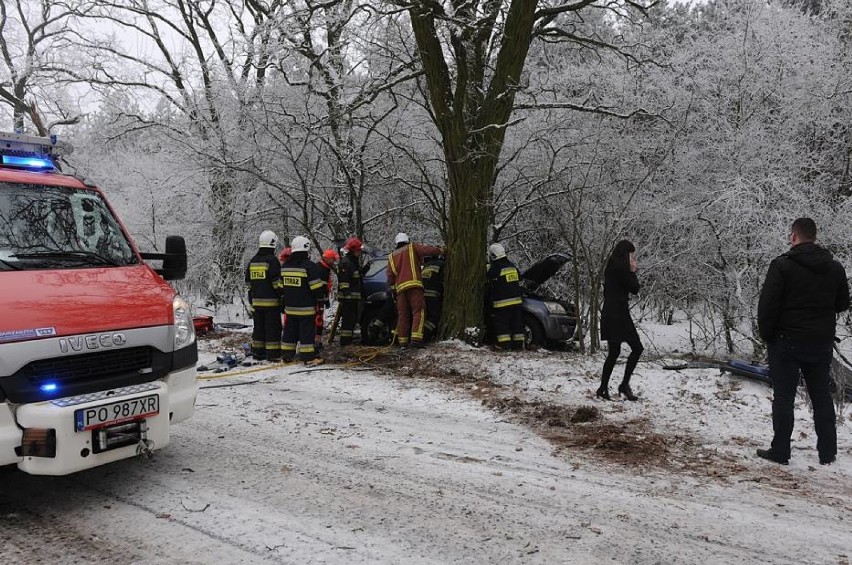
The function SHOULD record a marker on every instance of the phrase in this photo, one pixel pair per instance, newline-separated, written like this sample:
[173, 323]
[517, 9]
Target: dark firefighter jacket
[302, 285]
[349, 278]
[263, 275]
[504, 284]
[433, 277]
[804, 289]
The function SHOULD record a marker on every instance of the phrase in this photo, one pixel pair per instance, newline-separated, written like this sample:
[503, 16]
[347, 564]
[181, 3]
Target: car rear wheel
[533, 333]
[375, 330]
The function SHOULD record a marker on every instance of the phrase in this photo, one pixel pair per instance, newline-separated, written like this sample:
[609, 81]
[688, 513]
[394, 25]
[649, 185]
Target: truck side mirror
[174, 259]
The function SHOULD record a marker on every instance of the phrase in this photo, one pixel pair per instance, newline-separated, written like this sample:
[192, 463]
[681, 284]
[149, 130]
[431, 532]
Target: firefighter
[282, 258]
[302, 288]
[505, 299]
[433, 291]
[325, 266]
[349, 288]
[263, 275]
[405, 282]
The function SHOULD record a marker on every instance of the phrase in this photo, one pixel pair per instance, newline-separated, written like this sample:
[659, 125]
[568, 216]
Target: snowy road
[339, 466]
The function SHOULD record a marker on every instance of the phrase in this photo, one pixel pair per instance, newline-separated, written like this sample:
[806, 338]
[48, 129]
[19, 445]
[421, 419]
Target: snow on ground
[444, 455]
[693, 428]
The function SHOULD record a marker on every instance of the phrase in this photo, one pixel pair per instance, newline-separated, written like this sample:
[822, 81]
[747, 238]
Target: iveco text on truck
[97, 351]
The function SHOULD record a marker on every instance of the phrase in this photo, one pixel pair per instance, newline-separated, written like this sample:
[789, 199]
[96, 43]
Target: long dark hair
[620, 254]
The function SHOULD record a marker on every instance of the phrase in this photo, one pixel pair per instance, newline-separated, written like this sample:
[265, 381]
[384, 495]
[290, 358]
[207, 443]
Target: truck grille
[73, 375]
[90, 367]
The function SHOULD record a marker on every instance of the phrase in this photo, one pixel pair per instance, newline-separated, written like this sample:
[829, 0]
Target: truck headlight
[555, 308]
[184, 329]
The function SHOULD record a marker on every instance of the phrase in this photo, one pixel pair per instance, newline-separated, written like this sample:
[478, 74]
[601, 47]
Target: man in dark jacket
[505, 298]
[302, 288]
[804, 290]
[263, 275]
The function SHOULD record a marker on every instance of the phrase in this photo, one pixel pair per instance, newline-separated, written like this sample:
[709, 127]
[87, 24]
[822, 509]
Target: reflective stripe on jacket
[263, 275]
[349, 278]
[302, 287]
[504, 286]
[404, 265]
[433, 278]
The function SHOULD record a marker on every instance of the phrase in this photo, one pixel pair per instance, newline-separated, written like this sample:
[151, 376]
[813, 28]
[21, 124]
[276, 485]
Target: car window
[376, 267]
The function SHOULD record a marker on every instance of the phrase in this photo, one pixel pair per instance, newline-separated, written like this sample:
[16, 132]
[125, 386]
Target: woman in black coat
[616, 325]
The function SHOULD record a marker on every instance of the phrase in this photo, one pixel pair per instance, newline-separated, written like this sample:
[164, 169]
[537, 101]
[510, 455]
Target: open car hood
[539, 273]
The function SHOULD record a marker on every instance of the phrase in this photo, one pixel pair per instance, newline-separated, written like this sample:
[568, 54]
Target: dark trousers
[786, 359]
[266, 335]
[348, 319]
[433, 317]
[509, 327]
[614, 345]
[301, 330]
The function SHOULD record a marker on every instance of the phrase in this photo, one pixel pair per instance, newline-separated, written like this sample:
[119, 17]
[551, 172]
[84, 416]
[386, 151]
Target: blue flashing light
[35, 163]
[49, 387]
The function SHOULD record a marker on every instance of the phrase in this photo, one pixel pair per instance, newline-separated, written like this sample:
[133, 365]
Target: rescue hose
[231, 384]
[366, 354]
[226, 374]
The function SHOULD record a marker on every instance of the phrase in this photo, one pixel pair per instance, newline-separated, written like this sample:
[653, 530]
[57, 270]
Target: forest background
[697, 131]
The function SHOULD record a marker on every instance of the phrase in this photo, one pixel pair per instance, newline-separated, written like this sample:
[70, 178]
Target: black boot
[624, 389]
[603, 390]
[770, 455]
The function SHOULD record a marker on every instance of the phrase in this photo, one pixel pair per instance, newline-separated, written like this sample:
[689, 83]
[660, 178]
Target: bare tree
[473, 56]
[34, 36]
[206, 63]
[337, 58]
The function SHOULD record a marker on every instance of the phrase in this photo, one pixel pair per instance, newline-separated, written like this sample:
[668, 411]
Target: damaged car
[548, 321]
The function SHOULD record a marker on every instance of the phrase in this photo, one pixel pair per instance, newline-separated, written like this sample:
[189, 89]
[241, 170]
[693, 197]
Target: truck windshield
[49, 227]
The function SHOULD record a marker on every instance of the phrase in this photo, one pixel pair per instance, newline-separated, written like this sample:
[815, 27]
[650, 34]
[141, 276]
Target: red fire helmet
[285, 254]
[353, 244]
[330, 255]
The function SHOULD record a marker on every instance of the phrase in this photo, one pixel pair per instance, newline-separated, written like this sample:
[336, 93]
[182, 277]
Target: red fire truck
[97, 351]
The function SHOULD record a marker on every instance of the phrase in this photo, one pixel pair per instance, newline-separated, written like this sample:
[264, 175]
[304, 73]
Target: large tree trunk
[228, 254]
[471, 109]
[466, 239]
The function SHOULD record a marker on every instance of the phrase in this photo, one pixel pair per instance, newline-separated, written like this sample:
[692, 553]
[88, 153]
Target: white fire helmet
[496, 251]
[401, 238]
[267, 239]
[300, 243]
